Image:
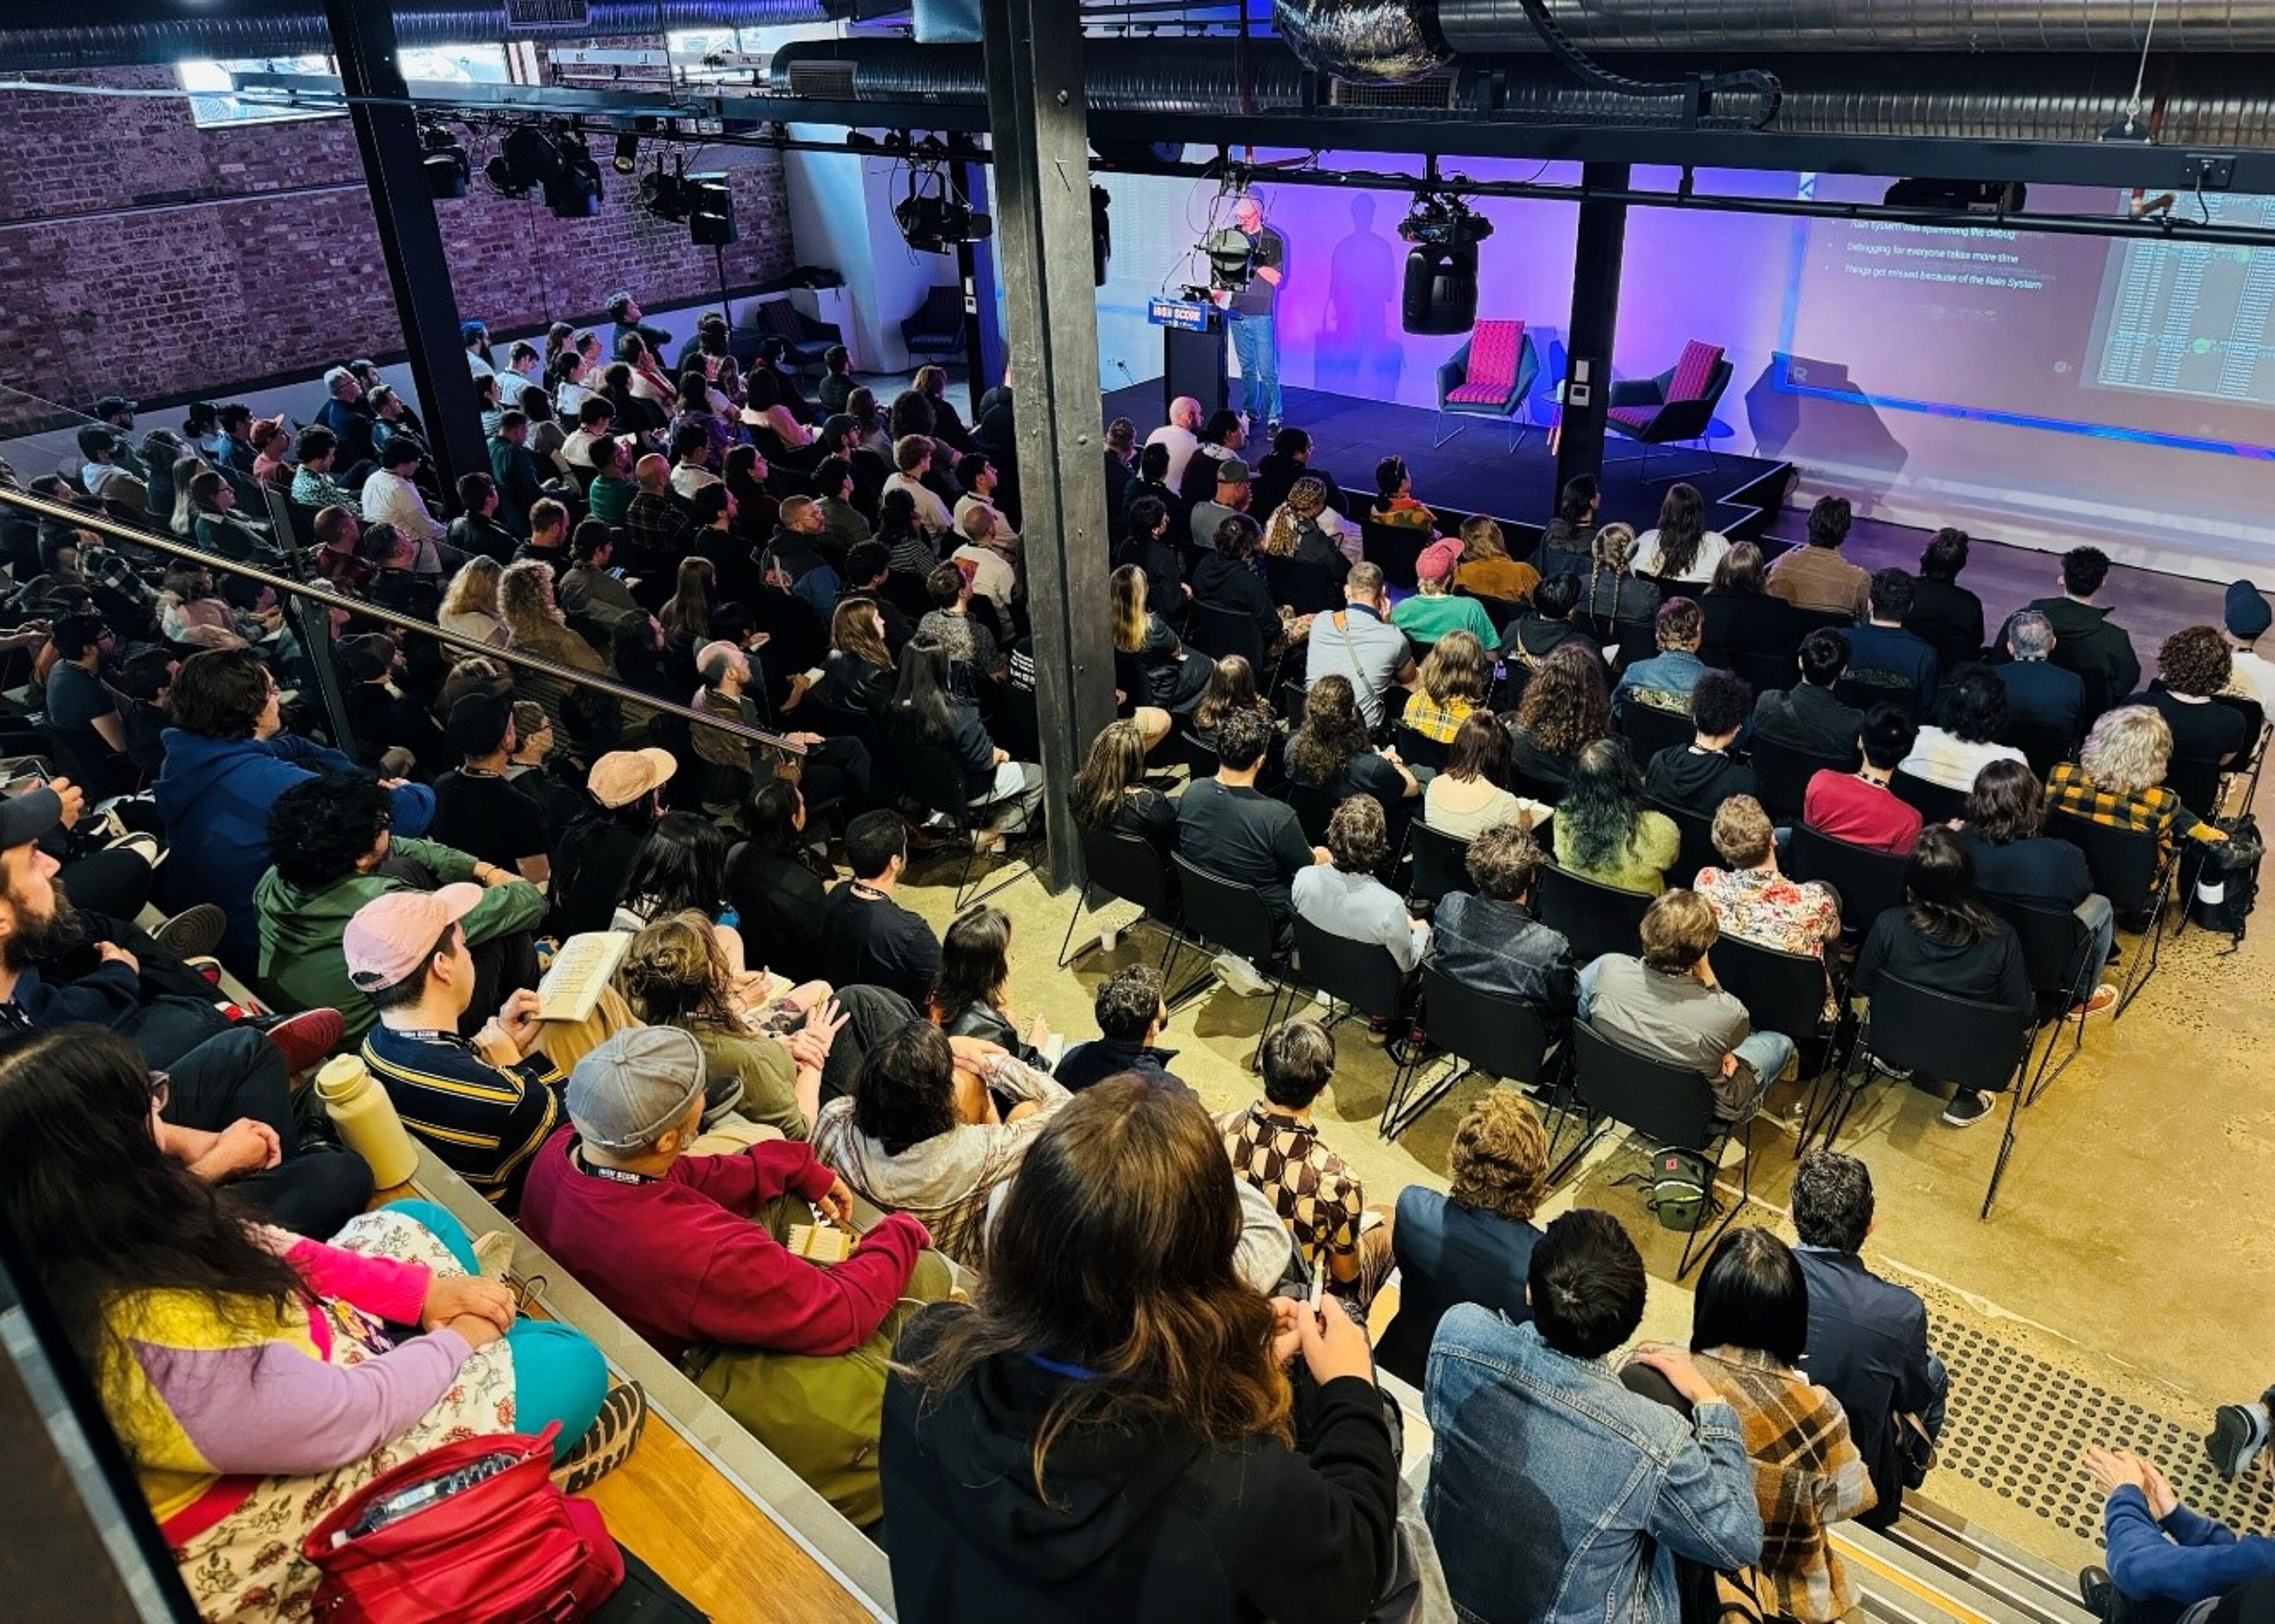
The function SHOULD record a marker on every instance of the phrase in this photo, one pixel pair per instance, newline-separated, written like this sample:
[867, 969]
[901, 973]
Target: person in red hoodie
[689, 1250]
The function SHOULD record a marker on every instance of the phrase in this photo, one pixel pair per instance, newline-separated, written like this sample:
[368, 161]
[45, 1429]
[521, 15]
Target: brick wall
[141, 255]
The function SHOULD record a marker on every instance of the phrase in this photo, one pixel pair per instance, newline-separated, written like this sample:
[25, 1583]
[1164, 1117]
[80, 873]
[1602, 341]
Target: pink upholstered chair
[1676, 405]
[1489, 376]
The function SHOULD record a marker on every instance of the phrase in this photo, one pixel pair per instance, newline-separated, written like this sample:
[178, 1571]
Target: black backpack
[2226, 879]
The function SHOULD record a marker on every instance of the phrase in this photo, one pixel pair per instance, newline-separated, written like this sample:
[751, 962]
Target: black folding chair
[1314, 805]
[1782, 992]
[1594, 918]
[1441, 863]
[1765, 672]
[2041, 743]
[1862, 690]
[1781, 775]
[1231, 917]
[2197, 783]
[2058, 952]
[933, 775]
[1868, 882]
[1697, 850]
[1670, 1105]
[1935, 803]
[1307, 588]
[1648, 730]
[2255, 753]
[1960, 1040]
[1416, 751]
[1218, 631]
[1361, 975]
[1200, 760]
[1479, 1031]
[1128, 868]
[2129, 870]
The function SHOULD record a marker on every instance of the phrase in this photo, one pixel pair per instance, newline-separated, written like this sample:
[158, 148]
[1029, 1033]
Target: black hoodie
[1150, 1524]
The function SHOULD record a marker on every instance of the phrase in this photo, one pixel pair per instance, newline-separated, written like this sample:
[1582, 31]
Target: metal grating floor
[2018, 1426]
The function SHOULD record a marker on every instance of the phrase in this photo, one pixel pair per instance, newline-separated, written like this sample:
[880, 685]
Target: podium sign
[1187, 315]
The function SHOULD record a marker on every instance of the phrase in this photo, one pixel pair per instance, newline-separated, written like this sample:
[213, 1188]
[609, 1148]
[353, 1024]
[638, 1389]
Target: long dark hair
[923, 696]
[905, 1091]
[1601, 806]
[1681, 528]
[773, 817]
[1114, 765]
[1752, 1296]
[1939, 895]
[1114, 1252]
[1333, 734]
[975, 962]
[683, 863]
[102, 1212]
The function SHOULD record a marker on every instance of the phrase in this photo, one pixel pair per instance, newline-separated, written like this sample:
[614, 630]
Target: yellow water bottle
[366, 1119]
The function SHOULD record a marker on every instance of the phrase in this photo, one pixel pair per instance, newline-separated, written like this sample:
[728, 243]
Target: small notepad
[578, 975]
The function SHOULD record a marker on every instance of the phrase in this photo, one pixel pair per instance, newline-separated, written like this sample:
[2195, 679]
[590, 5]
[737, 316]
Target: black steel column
[1039, 134]
[394, 167]
[1601, 244]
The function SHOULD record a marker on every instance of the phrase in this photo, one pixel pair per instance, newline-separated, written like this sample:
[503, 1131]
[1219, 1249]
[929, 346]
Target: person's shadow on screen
[1356, 352]
[1835, 423]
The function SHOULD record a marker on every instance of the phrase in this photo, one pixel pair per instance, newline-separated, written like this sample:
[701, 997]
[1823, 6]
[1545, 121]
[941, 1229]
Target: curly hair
[2195, 660]
[1500, 1156]
[2128, 750]
[526, 601]
[322, 827]
[675, 973]
[1306, 500]
[1565, 706]
[1358, 837]
[1332, 732]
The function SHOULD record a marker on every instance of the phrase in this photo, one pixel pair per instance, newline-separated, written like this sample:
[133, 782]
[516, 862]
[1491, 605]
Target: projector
[1441, 220]
[934, 224]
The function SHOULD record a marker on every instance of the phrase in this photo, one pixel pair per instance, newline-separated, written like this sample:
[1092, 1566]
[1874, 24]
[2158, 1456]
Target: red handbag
[474, 1532]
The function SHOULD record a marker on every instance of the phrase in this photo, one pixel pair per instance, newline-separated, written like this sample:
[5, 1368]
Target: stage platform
[1476, 473]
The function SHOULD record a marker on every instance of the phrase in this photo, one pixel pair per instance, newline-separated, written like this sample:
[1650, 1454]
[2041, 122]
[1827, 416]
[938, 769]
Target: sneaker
[1968, 1106]
[1238, 974]
[206, 965]
[193, 932]
[607, 1442]
[147, 847]
[1902, 1074]
[308, 1038]
[493, 1253]
[2104, 999]
[2239, 1431]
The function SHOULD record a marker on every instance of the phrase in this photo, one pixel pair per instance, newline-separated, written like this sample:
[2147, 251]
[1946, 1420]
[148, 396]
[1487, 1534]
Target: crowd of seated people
[664, 1148]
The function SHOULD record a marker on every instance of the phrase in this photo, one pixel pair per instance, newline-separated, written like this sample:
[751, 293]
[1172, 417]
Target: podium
[1192, 352]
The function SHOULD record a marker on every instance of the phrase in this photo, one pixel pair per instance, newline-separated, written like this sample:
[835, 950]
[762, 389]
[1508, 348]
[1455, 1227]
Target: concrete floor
[2131, 1243]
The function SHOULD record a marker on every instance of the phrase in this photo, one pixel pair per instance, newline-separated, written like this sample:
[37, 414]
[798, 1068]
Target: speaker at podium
[1192, 351]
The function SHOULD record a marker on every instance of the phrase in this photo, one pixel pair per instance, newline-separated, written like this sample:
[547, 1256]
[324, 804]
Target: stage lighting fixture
[935, 217]
[531, 156]
[1440, 291]
[574, 191]
[1442, 219]
[445, 164]
[626, 160]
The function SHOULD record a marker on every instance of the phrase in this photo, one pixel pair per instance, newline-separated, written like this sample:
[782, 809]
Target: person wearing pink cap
[1434, 611]
[483, 1104]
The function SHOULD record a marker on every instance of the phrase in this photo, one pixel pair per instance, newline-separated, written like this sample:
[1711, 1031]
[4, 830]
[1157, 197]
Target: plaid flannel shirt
[106, 568]
[1806, 1474]
[1434, 721]
[2155, 809]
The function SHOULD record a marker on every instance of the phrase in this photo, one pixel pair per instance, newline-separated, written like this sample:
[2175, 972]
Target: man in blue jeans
[1249, 307]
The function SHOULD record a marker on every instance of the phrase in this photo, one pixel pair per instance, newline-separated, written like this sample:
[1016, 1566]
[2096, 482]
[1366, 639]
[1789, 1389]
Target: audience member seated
[391, 497]
[481, 1101]
[1131, 1018]
[219, 528]
[1806, 717]
[1552, 1486]
[1231, 493]
[1566, 545]
[518, 475]
[1817, 577]
[1254, 1507]
[314, 455]
[592, 590]
[1465, 798]
[2246, 616]
[1110, 793]
[2118, 779]
[1227, 828]
[1564, 710]
[247, 1426]
[1178, 438]
[951, 624]
[332, 850]
[1474, 1242]
[2086, 640]
[1487, 569]
[1433, 612]
[1488, 940]
[1883, 656]
[2167, 1561]
[1679, 547]
[79, 708]
[1145, 543]
[548, 536]
[1545, 625]
[1859, 807]
[1394, 502]
[1944, 614]
[1867, 1336]
[1663, 681]
[922, 1133]
[682, 864]
[1603, 831]
[1157, 674]
[476, 532]
[1287, 463]
[1157, 479]
[911, 462]
[1275, 1145]
[866, 937]
[1343, 898]
[1611, 592]
[1358, 642]
[1331, 752]
[1944, 939]
[972, 995]
[1742, 616]
[1006, 794]
[1701, 775]
[594, 857]
[1667, 1005]
[1752, 901]
[2192, 666]
[477, 808]
[981, 554]
[1231, 687]
[2014, 860]
[1301, 527]
[1748, 1334]
[535, 625]
[227, 760]
[1970, 719]
[688, 1248]
[775, 882]
[1222, 438]
[1229, 577]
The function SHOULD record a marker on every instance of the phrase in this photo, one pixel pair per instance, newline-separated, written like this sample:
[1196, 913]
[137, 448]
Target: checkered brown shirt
[2155, 809]
[1313, 1190]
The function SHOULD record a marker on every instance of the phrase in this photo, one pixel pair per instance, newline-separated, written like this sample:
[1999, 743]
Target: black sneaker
[607, 1442]
[1968, 1106]
[2097, 1590]
[2239, 1431]
[193, 932]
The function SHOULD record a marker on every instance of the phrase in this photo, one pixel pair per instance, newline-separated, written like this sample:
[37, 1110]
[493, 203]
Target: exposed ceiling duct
[47, 36]
[1780, 26]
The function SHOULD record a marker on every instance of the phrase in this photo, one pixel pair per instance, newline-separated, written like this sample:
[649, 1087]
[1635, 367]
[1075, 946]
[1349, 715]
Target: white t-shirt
[1183, 443]
[689, 477]
[390, 499]
[1947, 760]
[992, 575]
[1005, 536]
[1711, 545]
[931, 512]
[2252, 676]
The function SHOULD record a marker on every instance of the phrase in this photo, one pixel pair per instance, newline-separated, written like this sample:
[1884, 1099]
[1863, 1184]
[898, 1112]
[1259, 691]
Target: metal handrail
[103, 524]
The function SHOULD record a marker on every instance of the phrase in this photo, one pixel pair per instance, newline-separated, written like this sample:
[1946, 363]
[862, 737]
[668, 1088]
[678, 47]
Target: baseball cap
[1437, 561]
[1232, 471]
[366, 655]
[467, 329]
[632, 1087]
[391, 936]
[29, 816]
[478, 721]
[111, 406]
[267, 428]
[623, 776]
[2246, 611]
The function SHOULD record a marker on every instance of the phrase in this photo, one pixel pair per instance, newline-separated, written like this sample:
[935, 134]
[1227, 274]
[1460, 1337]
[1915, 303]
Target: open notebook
[579, 973]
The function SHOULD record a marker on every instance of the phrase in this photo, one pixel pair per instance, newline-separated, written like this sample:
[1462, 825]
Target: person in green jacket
[331, 851]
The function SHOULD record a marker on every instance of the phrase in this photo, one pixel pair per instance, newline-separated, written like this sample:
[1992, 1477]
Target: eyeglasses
[162, 1090]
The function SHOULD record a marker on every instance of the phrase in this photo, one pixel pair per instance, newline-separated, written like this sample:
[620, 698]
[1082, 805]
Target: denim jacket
[1556, 1496]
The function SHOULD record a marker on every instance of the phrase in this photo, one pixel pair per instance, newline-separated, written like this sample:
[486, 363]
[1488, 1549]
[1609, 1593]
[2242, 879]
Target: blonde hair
[525, 600]
[475, 589]
[1128, 609]
[1500, 1157]
[1482, 538]
[1613, 548]
[2128, 750]
[1677, 931]
[1458, 667]
[1744, 834]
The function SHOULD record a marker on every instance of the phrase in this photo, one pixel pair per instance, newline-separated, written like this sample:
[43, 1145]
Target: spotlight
[574, 191]
[934, 221]
[531, 157]
[1440, 293]
[1440, 219]
[627, 159]
[665, 194]
[503, 178]
[447, 167]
